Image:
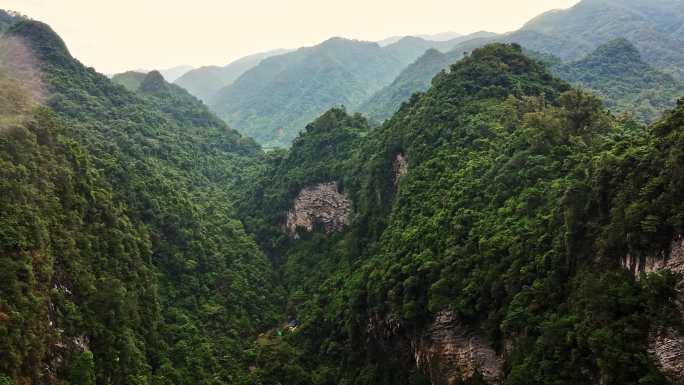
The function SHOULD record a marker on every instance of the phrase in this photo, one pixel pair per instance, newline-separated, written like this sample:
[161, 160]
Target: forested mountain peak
[616, 72]
[43, 41]
[621, 50]
[274, 100]
[153, 83]
[129, 79]
[205, 82]
[500, 226]
[487, 225]
[337, 42]
[7, 19]
[653, 27]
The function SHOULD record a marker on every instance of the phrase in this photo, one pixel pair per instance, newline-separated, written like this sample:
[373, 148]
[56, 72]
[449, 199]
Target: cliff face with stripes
[318, 205]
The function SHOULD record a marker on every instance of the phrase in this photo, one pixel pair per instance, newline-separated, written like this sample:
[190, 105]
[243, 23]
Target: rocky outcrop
[399, 167]
[448, 353]
[321, 205]
[666, 344]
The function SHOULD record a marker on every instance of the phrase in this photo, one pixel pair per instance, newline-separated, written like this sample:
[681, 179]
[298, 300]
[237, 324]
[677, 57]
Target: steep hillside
[492, 220]
[7, 19]
[415, 78]
[273, 101]
[205, 82]
[76, 285]
[129, 246]
[654, 26]
[616, 73]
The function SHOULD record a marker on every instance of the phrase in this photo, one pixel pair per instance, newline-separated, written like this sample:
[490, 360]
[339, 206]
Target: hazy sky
[116, 35]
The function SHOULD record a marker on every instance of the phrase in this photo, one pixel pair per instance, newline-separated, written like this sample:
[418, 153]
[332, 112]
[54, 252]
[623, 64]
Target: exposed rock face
[321, 204]
[666, 345]
[399, 167]
[448, 353]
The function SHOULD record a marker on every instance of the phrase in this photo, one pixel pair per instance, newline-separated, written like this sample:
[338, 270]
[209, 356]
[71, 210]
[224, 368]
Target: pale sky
[117, 35]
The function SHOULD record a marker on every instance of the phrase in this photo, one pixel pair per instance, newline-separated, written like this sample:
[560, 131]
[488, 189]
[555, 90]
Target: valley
[484, 208]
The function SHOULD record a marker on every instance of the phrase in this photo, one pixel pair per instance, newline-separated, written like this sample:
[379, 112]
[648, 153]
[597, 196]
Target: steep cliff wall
[449, 353]
[321, 204]
[666, 345]
[399, 167]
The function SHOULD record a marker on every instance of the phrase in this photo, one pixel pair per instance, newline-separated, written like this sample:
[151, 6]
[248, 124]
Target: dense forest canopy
[497, 213]
[189, 284]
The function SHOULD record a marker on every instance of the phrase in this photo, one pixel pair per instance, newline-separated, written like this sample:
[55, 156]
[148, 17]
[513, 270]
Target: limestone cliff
[322, 205]
[446, 351]
[666, 345]
[399, 167]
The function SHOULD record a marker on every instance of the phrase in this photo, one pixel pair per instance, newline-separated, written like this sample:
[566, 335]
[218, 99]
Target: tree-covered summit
[507, 219]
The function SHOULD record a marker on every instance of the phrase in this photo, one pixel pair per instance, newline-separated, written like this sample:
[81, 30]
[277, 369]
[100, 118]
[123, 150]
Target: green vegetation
[275, 100]
[654, 27]
[142, 242]
[7, 19]
[130, 80]
[616, 73]
[415, 78]
[118, 228]
[521, 199]
[205, 82]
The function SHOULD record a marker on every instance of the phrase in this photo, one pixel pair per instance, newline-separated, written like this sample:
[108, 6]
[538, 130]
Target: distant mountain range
[444, 36]
[134, 77]
[274, 100]
[579, 36]
[502, 227]
[205, 82]
[129, 79]
[273, 106]
[170, 74]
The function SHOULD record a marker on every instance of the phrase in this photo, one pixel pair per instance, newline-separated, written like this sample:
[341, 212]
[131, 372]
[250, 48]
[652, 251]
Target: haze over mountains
[205, 82]
[272, 100]
[505, 225]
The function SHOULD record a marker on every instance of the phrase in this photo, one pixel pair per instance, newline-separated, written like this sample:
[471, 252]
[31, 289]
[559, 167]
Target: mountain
[484, 234]
[444, 36]
[616, 72]
[273, 101]
[205, 82]
[173, 73]
[415, 78]
[502, 227]
[130, 80]
[407, 49]
[653, 26]
[575, 33]
[7, 19]
[124, 261]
